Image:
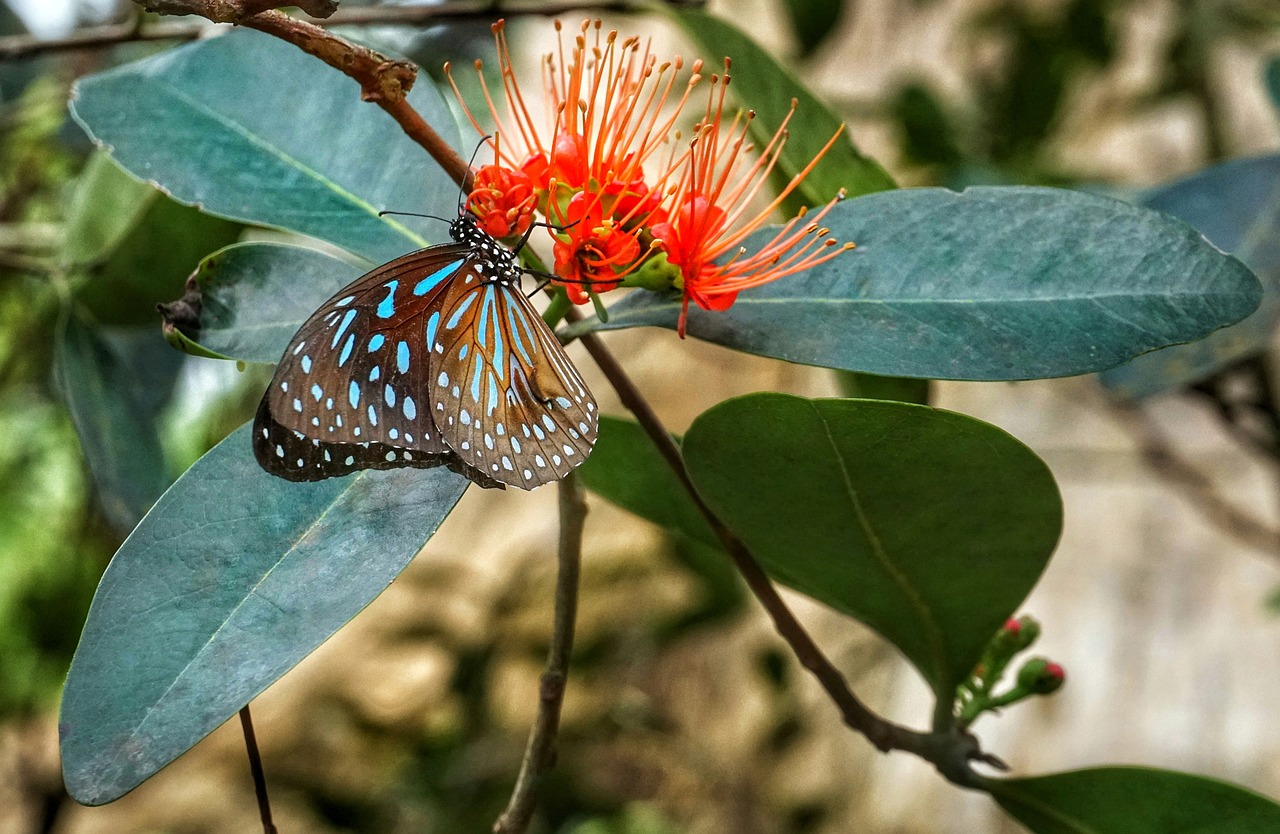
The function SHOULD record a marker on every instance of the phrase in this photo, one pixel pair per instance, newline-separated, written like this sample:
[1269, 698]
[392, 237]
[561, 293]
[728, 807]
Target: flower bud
[1041, 676]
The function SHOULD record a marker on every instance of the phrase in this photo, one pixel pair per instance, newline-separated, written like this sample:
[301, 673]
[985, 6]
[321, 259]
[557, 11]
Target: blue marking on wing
[493, 395]
[475, 382]
[482, 335]
[376, 342]
[342, 328]
[432, 324]
[317, 392]
[375, 373]
[306, 363]
[462, 354]
[499, 349]
[410, 410]
[461, 311]
[343, 302]
[429, 283]
[387, 306]
[346, 350]
[353, 393]
[402, 357]
[519, 326]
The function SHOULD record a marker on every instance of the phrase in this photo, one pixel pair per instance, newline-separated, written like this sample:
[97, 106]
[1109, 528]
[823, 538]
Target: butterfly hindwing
[507, 399]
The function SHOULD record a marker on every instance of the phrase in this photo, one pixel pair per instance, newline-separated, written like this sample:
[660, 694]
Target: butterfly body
[433, 359]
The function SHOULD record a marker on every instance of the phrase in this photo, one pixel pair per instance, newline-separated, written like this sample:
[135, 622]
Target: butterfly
[433, 359]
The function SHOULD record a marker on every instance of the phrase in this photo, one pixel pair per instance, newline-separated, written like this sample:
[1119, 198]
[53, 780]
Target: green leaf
[626, 469]
[872, 387]
[764, 85]
[301, 153]
[105, 205]
[1133, 800]
[115, 424]
[931, 527]
[254, 296]
[132, 247]
[1236, 205]
[230, 581]
[993, 283]
[813, 21]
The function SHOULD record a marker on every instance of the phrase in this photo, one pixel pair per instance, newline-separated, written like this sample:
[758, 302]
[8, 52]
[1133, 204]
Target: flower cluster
[627, 201]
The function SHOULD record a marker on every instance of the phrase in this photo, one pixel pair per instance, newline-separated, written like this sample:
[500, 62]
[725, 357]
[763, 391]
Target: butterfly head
[486, 249]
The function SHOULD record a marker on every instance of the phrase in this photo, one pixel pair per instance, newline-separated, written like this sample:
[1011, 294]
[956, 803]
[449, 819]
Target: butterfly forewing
[507, 398]
[357, 371]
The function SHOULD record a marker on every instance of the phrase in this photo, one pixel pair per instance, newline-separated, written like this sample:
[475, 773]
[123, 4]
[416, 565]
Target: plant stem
[540, 753]
[101, 37]
[948, 748]
[255, 767]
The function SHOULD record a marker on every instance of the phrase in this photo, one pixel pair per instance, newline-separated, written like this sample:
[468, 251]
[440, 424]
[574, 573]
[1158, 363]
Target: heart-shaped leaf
[231, 579]
[929, 526]
[1133, 800]
[992, 283]
[303, 152]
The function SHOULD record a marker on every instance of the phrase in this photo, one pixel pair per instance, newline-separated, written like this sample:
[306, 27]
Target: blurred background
[684, 713]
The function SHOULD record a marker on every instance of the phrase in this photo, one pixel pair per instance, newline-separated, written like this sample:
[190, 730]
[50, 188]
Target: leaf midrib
[289, 160]
[933, 633]
[251, 592]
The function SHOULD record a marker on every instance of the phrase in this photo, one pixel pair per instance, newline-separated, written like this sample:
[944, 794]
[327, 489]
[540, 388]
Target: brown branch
[948, 748]
[98, 37]
[380, 78]
[234, 11]
[1198, 487]
[540, 753]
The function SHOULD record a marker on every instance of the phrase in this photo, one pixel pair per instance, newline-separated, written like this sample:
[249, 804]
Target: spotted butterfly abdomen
[433, 359]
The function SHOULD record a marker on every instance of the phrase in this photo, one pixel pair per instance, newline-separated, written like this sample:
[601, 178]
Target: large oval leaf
[254, 296]
[992, 283]
[1237, 206]
[303, 152]
[231, 579]
[929, 526]
[1133, 800]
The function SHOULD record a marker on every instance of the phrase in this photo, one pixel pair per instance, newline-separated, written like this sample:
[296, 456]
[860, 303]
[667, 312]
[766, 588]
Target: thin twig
[99, 37]
[948, 748]
[540, 753]
[255, 767]
[1198, 487]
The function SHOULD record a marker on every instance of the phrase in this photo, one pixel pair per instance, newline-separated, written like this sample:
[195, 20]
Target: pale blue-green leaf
[255, 296]
[1237, 206]
[249, 127]
[231, 579]
[992, 283]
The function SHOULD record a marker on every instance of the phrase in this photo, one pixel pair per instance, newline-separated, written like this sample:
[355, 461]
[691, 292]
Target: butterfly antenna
[461, 193]
[414, 214]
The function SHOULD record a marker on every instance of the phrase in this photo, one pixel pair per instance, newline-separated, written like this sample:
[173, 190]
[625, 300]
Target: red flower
[598, 252]
[503, 200]
[708, 210]
[607, 109]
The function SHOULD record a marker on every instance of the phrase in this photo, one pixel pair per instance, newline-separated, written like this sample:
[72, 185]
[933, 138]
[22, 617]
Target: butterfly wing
[353, 382]
[507, 399]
